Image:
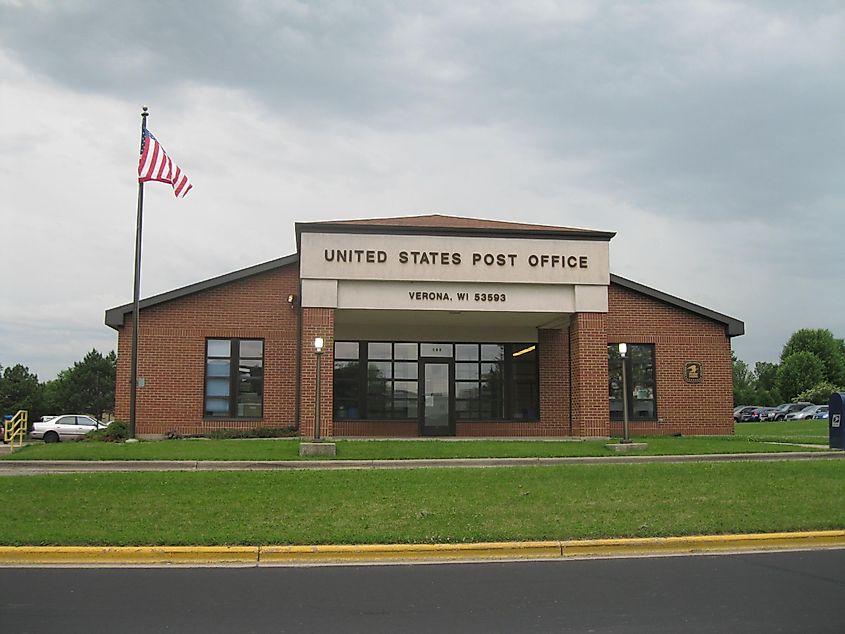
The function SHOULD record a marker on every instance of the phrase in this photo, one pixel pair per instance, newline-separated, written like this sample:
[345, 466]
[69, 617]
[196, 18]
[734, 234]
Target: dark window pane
[252, 348]
[492, 352]
[466, 371]
[642, 382]
[524, 389]
[491, 371]
[614, 368]
[466, 352]
[379, 370]
[219, 348]
[405, 399]
[379, 351]
[216, 406]
[346, 350]
[466, 390]
[405, 370]
[217, 368]
[405, 351]
[217, 386]
[521, 350]
[347, 379]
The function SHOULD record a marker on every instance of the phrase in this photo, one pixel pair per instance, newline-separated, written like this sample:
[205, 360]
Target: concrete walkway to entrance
[21, 467]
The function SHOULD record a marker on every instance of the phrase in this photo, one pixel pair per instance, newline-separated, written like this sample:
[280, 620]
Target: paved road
[771, 592]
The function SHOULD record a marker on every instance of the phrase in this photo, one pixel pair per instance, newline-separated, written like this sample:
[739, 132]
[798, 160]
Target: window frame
[629, 370]
[506, 363]
[234, 378]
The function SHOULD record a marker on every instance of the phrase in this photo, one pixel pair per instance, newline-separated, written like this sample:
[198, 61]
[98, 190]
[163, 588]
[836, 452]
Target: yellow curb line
[121, 555]
[409, 552]
[287, 555]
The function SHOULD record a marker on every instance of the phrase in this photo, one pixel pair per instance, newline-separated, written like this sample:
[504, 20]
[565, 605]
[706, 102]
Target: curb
[258, 556]
[13, 467]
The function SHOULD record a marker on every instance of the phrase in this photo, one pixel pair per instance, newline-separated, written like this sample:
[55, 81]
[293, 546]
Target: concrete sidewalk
[258, 556]
[22, 467]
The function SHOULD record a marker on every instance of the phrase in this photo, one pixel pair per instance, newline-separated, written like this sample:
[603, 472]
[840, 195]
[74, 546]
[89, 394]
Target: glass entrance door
[436, 396]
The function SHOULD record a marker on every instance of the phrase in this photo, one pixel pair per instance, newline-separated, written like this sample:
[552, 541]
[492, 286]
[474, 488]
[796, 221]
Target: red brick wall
[172, 358]
[553, 348]
[678, 337]
[317, 322]
[590, 407]
[171, 353]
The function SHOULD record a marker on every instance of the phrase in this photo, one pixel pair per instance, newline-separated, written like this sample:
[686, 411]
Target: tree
[743, 380]
[20, 389]
[822, 343]
[798, 372]
[767, 387]
[85, 388]
[819, 394]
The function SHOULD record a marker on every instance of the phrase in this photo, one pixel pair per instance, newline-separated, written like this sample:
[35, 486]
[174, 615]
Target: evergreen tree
[20, 389]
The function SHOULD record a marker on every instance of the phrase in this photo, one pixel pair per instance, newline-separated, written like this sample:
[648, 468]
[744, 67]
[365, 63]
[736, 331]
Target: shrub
[115, 432]
[257, 432]
[819, 394]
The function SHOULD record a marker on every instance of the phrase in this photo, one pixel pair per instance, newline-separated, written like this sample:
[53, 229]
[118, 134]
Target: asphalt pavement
[749, 593]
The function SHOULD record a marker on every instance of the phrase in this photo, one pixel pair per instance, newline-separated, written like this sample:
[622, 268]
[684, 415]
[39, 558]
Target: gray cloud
[708, 108]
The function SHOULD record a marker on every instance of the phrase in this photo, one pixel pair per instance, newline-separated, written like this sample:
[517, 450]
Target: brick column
[588, 356]
[553, 346]
[316, 322]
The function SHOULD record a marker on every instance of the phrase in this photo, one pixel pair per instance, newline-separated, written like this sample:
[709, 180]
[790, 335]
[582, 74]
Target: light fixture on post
[623, 351]
[291, 299]
[318, 349]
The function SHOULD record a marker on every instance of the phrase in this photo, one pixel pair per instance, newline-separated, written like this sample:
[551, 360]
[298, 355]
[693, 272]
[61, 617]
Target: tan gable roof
[454, 222]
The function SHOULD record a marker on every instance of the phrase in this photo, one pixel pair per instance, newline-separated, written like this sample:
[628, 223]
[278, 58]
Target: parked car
[755, 415]
[787, 408]
[739, 412]
[65, 427]
[822, 412]
[805, 414]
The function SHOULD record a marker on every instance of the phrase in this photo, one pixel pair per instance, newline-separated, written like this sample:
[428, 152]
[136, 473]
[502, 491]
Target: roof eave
[733, 327]
[481, 232]
[115, 316]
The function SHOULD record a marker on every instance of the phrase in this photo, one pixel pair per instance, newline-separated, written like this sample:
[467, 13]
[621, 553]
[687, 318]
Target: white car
[65, 427]
[806, 413]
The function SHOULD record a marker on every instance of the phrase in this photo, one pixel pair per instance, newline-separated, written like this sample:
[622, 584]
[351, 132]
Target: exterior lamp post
[318, 349]
[623, 351]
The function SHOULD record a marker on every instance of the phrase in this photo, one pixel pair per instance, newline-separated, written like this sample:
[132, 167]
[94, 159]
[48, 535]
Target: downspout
[569, 364]
[298, 390]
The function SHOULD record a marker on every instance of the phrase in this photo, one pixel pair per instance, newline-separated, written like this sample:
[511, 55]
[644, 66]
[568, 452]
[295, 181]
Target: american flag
[155, 165]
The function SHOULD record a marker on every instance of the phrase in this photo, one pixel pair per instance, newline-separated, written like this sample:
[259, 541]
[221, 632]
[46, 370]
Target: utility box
[834, 420]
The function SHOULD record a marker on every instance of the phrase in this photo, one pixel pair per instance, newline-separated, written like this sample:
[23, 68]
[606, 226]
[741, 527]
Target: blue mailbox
[836, 409]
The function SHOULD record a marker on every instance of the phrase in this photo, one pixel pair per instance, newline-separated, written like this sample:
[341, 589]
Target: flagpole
[137, 294]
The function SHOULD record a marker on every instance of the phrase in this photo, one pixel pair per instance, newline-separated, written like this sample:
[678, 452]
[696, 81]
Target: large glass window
[234, 378]
[380, 380]
[479, 381]
[639, 367]
[347, 379]
[525, 392]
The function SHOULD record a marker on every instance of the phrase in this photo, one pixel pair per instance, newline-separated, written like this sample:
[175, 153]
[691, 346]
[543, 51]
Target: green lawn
[420, 505]
[800, 431]
[288, 449]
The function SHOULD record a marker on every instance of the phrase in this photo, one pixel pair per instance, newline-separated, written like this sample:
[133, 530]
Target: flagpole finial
[144, 112]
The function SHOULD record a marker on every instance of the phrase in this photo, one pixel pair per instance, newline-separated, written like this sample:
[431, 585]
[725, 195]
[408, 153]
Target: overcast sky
[709, 135]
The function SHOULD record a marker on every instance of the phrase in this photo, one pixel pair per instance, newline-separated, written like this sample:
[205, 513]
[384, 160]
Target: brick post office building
[432, 325]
